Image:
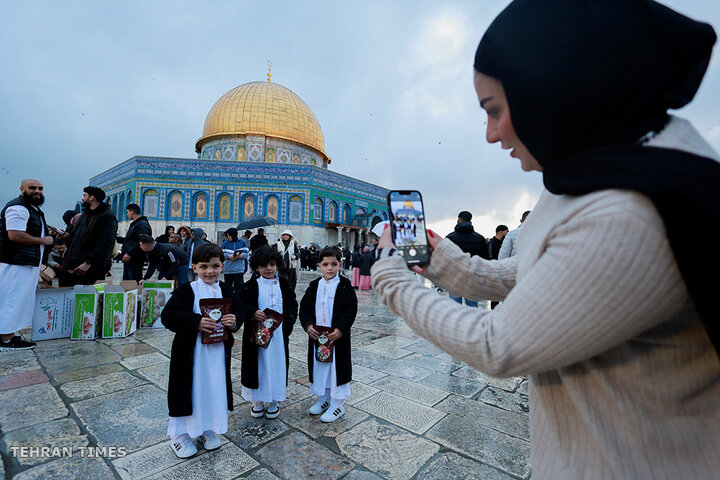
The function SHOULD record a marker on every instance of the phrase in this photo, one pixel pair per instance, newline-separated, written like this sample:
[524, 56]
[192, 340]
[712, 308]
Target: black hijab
[585, 80]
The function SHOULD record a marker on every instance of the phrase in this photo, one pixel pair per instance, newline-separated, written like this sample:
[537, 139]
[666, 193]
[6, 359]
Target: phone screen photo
[407, 225]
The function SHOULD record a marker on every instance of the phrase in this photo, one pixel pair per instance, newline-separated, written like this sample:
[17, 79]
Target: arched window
[175, 205]
[332, 212]
[346, 214]
[272, 207]
[296, 209]
[318, 216]
[200, 206]
[248, 207]
[121, 214]
[224, 207]
[150, 203]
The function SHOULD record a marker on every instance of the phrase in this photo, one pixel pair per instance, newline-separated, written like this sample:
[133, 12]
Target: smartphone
[407, 226]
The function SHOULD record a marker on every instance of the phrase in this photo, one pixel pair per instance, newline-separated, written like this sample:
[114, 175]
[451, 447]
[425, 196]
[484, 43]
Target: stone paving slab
[366, 375]
[89, 372]
[434, 363]
[385, 349]
[140, 361]
[295, 393]
[297, 416]
[76, 355]
[112, 342]
[469, 373]
[250, 433]
[151, 460]
[400, 411]
[161, 343]
[60, 433]
[135, 418]
[69, 468]
[452, 384]
[451, 466]
[486, 445]
[296, 456]
[386, 450]
[262, 474]
[24, 406]
[423, 347]
[360, 391]
[132, 349]
[226, 463]
[361, 475]
[100, 385]
[479, 413]
[20, 361]
[22, 379]
[158, 374]
[413, 391]
[514, 402]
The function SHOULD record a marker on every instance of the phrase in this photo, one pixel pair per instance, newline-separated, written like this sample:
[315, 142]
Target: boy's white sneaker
[183, 447]
[257, 411]
[319, 407]
[209, 440]
[332, 414]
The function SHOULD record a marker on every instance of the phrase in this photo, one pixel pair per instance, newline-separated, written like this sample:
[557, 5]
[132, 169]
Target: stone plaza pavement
[415, 413]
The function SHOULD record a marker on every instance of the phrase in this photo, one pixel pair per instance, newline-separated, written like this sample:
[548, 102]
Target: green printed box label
[84, 318]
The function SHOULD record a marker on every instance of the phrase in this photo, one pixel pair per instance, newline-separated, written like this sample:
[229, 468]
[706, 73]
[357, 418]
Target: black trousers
[133, 270]
[234, 280]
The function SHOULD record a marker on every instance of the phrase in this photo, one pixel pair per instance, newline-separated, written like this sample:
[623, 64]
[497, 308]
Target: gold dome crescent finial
[269, 70]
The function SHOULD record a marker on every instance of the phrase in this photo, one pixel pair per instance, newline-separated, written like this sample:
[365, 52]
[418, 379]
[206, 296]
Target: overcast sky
[87, 85]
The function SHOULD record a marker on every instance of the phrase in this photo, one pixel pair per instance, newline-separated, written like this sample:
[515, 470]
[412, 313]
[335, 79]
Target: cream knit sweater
[624, 382]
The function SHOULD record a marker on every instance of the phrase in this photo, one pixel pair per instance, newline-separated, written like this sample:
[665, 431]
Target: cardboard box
[53, 314]
[153, 298]
[119, 309]
[87, 314]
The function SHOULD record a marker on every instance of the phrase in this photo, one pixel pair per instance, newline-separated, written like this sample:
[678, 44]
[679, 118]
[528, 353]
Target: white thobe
[271, 360]
[18, 282]
[325, 373]
[209, 390]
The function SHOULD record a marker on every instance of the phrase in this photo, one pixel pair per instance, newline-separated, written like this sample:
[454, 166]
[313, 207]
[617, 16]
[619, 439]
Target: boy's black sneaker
[16, 343]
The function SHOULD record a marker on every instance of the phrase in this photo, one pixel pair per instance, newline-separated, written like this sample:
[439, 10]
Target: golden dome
[263, 108]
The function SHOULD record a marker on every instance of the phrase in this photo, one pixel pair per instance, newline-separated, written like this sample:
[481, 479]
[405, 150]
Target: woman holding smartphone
[606, 307]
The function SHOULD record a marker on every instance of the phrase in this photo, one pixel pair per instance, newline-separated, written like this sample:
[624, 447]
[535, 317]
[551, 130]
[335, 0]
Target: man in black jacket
[258, 240]
[132, 256]
[23, 239]
[91, 243]
[172, 262]
[496, 242]
[470, 242]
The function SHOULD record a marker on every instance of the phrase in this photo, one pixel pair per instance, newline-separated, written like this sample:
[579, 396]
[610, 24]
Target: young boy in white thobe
[199, 390]
[329, 301]
[264, 370]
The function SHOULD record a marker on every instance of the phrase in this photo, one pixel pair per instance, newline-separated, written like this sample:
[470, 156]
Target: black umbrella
[255, 222]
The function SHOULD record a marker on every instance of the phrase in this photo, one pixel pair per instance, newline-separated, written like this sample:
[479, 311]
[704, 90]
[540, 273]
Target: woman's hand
[312, 333]
[206, 325]
[228, 320]
[386, 242]
[386, 238]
